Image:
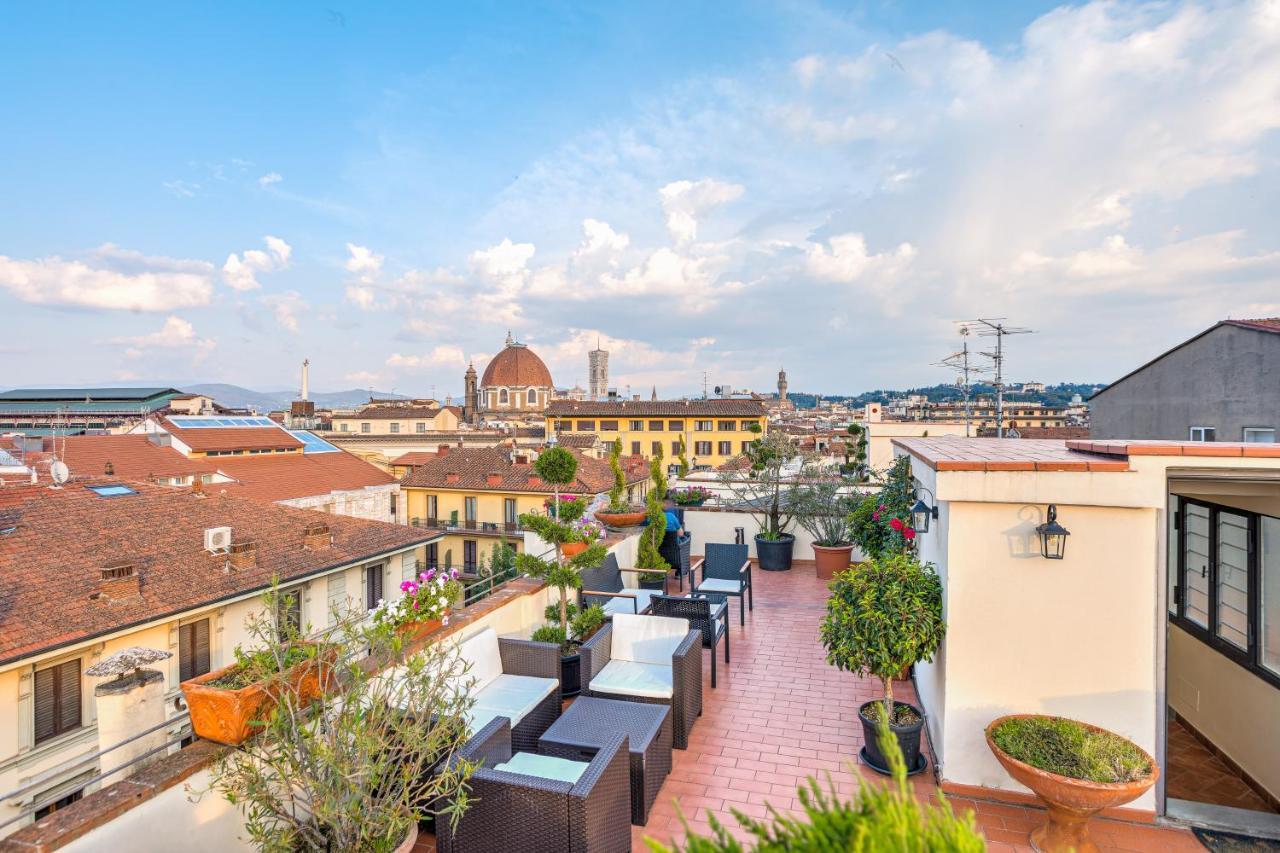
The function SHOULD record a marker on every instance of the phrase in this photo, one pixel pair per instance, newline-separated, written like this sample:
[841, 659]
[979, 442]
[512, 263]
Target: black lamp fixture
[921, 512]
[1053, 536]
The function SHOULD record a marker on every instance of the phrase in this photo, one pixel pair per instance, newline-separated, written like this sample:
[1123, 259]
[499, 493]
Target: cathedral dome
[516, 366]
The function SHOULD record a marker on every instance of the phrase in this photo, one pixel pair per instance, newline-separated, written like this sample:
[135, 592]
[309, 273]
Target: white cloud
[176, 333]
[241, 272]
[270, 178]
[113, 278]
[441, 356]
[361, 377]
[363, 262]
[807, 68]
[845, 259]
[286, 308]
[685, 201]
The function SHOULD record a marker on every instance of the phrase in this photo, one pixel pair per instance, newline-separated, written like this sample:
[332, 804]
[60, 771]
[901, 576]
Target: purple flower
[453, 574]
[875, 516]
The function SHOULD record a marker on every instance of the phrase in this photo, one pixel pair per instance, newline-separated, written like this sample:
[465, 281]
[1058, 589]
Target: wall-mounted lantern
[1053, 536]
[922, 512]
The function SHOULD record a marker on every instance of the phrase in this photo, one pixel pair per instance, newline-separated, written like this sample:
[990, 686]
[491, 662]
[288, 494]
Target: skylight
[111, 491]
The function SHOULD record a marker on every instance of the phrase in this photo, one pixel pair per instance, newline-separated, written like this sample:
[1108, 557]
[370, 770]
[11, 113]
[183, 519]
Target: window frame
[58, 729]
[191, 627]
[374, 592]
[702, 448]
[635, 448]
[704, 426]
[724, 448]
[675, 426]
[1244, 434]
[726, 426]
[635, 426]
[1212, 432]
[586, 426]
[1249, 658]
[608, 426]
[394, 426]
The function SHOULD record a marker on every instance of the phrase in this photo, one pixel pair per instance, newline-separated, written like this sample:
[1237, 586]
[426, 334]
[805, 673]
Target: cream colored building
[398, 419]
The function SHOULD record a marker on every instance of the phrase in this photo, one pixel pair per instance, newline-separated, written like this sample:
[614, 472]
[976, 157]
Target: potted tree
[619, 515]
[582, 625]
[880, 523]
[882, 617]
[762, 490]
[1075, 768]
[822, 508]
[360, 765]
[558, 466]
[649, 560]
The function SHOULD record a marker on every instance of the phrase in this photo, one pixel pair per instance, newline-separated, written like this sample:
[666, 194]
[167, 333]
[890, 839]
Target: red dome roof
[517, 366]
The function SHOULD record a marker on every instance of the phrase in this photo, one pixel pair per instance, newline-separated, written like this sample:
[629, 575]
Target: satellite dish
[59, 472]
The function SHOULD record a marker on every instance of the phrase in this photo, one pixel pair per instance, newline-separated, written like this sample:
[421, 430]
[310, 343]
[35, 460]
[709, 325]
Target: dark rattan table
[589, 722]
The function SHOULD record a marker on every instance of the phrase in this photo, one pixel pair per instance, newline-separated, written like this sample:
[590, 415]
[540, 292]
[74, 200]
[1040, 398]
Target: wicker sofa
[653, 659]
[516, 679]
[603, 585]
[541, 804]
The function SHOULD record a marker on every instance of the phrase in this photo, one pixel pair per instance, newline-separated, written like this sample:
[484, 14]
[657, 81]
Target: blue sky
[213, 193]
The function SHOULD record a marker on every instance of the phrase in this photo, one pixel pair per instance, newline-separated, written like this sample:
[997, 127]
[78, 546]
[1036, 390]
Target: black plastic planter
[774, 555]
[908, 740]
[570, 675]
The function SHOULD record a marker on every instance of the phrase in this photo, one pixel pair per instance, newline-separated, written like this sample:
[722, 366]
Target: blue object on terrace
[312, 443]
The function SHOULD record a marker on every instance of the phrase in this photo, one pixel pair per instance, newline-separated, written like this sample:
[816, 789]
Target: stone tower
[782, 384]
[598, 373]
[471, 395]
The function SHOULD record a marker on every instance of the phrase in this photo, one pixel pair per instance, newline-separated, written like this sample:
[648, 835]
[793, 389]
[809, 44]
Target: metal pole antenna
[995, 328]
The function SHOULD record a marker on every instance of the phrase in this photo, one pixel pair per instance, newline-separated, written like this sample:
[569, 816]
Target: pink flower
[444, 620]
[909, 534]
[880, 508]
[415, 604]
[897, 524]
[454, 574]
[875, 516]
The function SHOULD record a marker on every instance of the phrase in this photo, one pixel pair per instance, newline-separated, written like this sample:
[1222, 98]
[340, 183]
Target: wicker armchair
[603, 585]
[709, 617]
[516, 804]
[651, 659]
[516, 679]
[726, 570]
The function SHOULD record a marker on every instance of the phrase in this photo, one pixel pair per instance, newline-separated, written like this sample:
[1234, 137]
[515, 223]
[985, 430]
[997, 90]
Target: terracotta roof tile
[393, 412]
[297, 475]
[471, 469]
[233, 438]
[663, 408]
[50, 564]
[413, 457]
[1262, 324]
[1159, 447]
[132, 457]
[516, 365]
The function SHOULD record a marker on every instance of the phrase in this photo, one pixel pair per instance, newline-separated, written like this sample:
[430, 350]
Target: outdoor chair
[654, 659]
[709, 617]
[726, 570]
[603, 585]
[539, 803]
[516, 679]
[675, 550]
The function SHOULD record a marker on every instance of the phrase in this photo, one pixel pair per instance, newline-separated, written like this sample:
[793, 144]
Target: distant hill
[1053, 395]
[243, 398]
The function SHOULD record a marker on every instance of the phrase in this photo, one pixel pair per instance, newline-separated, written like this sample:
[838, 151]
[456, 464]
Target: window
[372, 586]
[57, 700]
[365, 426]
[635, 426]
[469, 555]
[702, 426]
[675, 449]
[702, 448]
[1227, 589]
[656, 448]
[635, 448]
[469, 507]
[433, 555]
[725, 448]
[533, 398]
[655, 426]
[586, 426]
[62, 803]
[289, 612]
[502, 397]
[342, 428]
[420, 426]
[749, 425]
[1203, 433]
[608, 426]
[393, 504]
[509, 515]
[1259, 435]
[432, 501]
[726, 426]
[564, 425]
[193, 649]
[395, 426]
[746, 446]
[675, 426]
[111, 491]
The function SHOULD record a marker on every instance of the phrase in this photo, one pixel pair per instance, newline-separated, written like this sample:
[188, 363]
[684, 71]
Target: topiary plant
[556, 466]
[616, 502]
[883, 616]
[684, 460]
[648, 559]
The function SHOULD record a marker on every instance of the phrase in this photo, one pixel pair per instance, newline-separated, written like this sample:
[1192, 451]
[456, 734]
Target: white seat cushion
[513, 696]
[629, 605]
[478, 718]
[481, 652]
[719, 585]
[647, 639]
[544, 766]
[630, 678]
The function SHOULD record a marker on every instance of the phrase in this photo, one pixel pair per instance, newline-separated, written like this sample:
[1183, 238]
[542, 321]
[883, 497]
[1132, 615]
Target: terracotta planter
[573, 549]
[830, 560]
[227, 716]
[621, 520]
[412, 632]
[410, 839]
[1071, 802]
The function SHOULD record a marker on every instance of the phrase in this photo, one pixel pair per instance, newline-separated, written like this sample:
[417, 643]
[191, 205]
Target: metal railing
[491, 527]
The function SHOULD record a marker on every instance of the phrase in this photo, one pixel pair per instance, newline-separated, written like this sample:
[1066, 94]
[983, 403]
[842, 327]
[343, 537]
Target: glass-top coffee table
[582, 729]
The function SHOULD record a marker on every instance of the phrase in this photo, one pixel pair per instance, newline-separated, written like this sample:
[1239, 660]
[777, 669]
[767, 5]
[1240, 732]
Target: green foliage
[1069, 748]
[552, 611]
[262, 665]
[883, 615]
[549, 634]
[684, 460]
[878, 818]
[855, 453]
[586, 623]
[570, 511]
[360, 756]
[870, 523]
[616, 501]
[822, 509]
[557, 466]
[648, 559]
[764, 486]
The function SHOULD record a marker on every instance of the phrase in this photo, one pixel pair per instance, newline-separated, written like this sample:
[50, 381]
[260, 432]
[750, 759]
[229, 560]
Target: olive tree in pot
[762, 489]
[360, 765]
[822, 508]
[882, 617]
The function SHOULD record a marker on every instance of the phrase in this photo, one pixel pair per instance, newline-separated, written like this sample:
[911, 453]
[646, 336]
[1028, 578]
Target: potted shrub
[587, 530]
[558, 466]
[822, 509]
[582, 625]
[230, 704]
[763, 491]
[619, 515]
[423, 607]
[877, 818]
[1075, 768]
[649, 560]
[682, 456]
[880, 523]
[358, 767]
[881, 617]
[692, 496]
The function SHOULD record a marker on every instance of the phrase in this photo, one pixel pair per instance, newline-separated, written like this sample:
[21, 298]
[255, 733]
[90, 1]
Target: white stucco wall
[372, 503]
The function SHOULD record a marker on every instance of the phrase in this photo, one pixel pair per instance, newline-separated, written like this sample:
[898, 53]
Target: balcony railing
[491, 528]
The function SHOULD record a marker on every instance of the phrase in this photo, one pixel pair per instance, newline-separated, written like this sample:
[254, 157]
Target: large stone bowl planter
[1071, 802]
[619, 521]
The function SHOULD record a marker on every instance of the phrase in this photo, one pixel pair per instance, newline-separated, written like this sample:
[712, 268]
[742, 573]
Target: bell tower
[782, 384]
[471, 396]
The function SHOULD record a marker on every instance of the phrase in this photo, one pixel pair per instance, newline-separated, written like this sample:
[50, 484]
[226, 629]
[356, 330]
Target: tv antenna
[960, 362]
[994, 327]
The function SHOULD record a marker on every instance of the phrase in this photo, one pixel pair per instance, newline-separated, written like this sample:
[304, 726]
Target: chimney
[129, 705]
[442, 450]
[109, 469]
[451, 477]
[197, 486]
[316, 536]
[521, 459]
[493, 480]
[534, 482]
[243, 555]
[118, 580]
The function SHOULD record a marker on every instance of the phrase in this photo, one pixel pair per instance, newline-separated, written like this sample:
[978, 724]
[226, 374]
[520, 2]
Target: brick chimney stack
[243, 555]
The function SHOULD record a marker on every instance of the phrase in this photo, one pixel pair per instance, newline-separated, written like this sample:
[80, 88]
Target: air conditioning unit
[217, 540]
